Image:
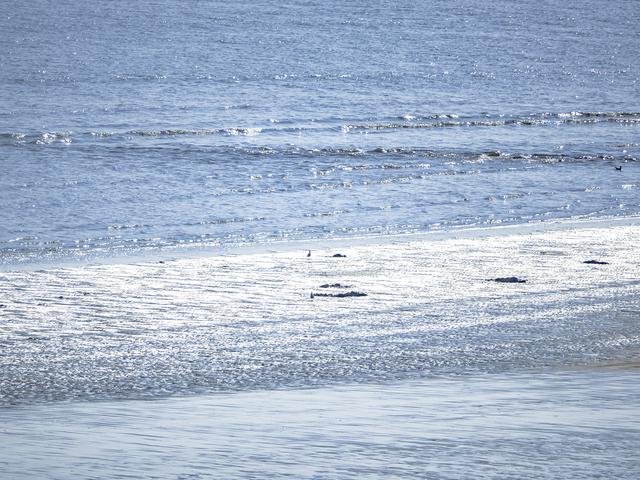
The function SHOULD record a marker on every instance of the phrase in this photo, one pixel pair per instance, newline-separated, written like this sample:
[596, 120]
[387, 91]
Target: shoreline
[182, 252]
[243, 322]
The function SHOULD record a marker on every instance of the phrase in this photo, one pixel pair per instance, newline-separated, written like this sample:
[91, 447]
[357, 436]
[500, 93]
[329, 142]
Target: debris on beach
[339, 295]
[339, 255]
[595, 262]
[507, 280]
[334, 285]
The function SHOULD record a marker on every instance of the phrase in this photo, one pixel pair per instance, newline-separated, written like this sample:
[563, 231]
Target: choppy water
[126, 127]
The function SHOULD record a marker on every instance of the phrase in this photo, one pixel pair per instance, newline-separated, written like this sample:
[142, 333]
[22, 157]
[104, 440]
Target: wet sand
[248, 321]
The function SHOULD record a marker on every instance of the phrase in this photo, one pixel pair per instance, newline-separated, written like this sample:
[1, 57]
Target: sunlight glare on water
[167, 166]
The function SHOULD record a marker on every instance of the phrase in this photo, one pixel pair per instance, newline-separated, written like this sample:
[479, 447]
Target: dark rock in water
[339, 295]
[60, 297]
[508, 280]
[161, 261]
[351, 294]
[339, 255]
[595, 262]
[334, 285]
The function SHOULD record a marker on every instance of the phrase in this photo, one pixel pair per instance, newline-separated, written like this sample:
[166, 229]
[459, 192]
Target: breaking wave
[486, 121]
[312, 126]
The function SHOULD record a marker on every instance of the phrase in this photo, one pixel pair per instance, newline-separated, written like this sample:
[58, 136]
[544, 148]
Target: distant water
[127, 126]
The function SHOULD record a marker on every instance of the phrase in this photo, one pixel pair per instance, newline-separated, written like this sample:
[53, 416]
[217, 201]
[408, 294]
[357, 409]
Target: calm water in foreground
[531, 426]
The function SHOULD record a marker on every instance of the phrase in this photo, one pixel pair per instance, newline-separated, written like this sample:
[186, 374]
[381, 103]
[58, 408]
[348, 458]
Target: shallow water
[238, 322]
[580, 424]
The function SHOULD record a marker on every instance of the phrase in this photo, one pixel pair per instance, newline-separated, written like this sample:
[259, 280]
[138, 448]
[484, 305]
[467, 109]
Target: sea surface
[578, 425]
[128, 126]
[167, 167]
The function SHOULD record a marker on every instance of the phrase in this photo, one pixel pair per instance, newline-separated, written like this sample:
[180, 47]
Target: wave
[540, 119]
[381, 157]
[48, 138]
[386, 155]
[572, 114]
[12, 135]
[334, 125]
[40, 138]
[179, 132]
[226, 221]
[129, 226]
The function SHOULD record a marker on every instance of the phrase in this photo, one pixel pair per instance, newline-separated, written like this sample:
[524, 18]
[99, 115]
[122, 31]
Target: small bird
[309, 254]
[619, 168]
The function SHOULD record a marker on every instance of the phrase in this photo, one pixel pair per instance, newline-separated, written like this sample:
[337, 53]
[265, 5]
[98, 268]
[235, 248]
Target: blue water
[127, 126]
[157, 128]
[579, 425]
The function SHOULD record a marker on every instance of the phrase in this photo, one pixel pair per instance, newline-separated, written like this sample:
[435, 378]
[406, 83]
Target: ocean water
[166, 166]
[128, 126]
